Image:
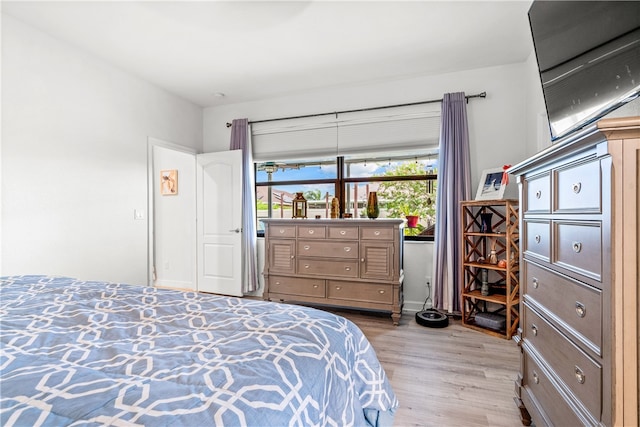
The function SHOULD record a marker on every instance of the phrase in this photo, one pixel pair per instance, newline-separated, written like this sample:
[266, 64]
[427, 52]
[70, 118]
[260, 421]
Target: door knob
[237, 230]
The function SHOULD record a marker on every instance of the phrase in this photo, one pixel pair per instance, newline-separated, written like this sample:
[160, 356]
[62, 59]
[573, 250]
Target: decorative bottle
[372, 205]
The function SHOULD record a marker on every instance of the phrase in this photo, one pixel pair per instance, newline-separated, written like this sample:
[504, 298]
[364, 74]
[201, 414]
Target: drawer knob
[361, 259]
[580, 376]
[536, 379]
[534, 330]
[537, 238]
[306, 247]
[347, 248]
[535, 283]
[311, 231]
[377, 233]
[577, 247]
[381, 291]
[538, 194]
[342, 232]
[293, 256]
[581, 310]
[577, 187]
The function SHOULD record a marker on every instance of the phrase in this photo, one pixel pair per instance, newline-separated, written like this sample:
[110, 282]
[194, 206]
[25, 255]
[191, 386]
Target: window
[406, 185]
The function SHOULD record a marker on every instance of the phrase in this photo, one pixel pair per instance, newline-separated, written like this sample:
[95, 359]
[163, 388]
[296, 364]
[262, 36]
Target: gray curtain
[241, 140]
[454, 185]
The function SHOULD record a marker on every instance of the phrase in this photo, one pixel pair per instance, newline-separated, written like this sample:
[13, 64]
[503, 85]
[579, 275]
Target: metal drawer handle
[342, 232]
[281, 231]
[381, 291]
[277, 283]
[577, 247]
[534, 330]
[311, 231]
[535, 283]
[581, 310]
[338, 288]
[377, 233]
[580, 376]
[306, 266]
[538, 194]
[537, 238]
[347, 248]
[577, 187]
[347, 268]
[315, 286]
[306, 247]
[536, 379]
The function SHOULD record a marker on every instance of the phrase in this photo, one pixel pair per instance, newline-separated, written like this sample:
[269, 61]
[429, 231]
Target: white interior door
[219, 222]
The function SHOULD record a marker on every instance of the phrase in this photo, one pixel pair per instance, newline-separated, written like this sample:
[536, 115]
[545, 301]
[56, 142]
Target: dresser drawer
[538, 194]
[577, 306]
[328, 249]
[320, 267]
[376, 233]
[312, 232]
[537, 241]
[297, 286]
[579, 247]
[357, 291]
[275, 231]
[577, 188]
[541, 394]
[343, 232]
[579, 372]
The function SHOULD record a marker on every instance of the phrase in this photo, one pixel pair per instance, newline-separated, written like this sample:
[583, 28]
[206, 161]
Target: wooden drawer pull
[580, 376]
[537, 238]
[577, 247]
[536, 378]
[538, 194]
[535, 283]
[342, 232]
[347, 248]
[581, 310]
[534, 330]
[577, 187]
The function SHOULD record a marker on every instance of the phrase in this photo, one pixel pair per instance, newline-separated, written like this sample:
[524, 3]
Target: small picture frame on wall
[169, 182]
[491, 185]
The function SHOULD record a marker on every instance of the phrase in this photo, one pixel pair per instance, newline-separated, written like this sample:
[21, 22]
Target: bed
[95, 353]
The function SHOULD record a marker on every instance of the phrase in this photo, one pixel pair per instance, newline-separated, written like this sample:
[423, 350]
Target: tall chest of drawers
[343, 262]
[579, 279]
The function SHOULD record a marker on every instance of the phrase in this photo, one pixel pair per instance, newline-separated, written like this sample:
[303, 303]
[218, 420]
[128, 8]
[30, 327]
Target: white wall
[498, 129]
[74, 158]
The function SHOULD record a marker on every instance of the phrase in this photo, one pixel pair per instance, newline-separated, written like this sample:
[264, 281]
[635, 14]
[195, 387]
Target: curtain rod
[479, 95]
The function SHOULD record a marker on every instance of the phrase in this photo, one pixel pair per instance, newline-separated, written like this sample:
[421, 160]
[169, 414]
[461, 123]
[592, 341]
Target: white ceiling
[262, 49]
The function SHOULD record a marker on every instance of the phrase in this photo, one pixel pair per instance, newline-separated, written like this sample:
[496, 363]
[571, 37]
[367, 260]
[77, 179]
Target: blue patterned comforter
[94, 353]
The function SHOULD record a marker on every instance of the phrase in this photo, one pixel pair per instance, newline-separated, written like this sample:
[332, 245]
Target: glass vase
[372, 205]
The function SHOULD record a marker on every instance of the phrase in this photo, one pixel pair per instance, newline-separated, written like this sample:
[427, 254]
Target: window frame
[339, 184]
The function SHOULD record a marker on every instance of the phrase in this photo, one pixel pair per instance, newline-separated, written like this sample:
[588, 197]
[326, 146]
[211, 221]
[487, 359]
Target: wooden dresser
[340, 262]
[579, 204]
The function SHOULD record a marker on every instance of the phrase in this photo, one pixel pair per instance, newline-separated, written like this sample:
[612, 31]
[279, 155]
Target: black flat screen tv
[588, 55]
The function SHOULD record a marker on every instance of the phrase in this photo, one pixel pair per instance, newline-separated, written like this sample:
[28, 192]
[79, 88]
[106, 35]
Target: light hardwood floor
[446, 377]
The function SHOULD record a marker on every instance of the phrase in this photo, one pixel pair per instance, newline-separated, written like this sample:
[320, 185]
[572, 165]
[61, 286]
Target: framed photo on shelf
[491, 185]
